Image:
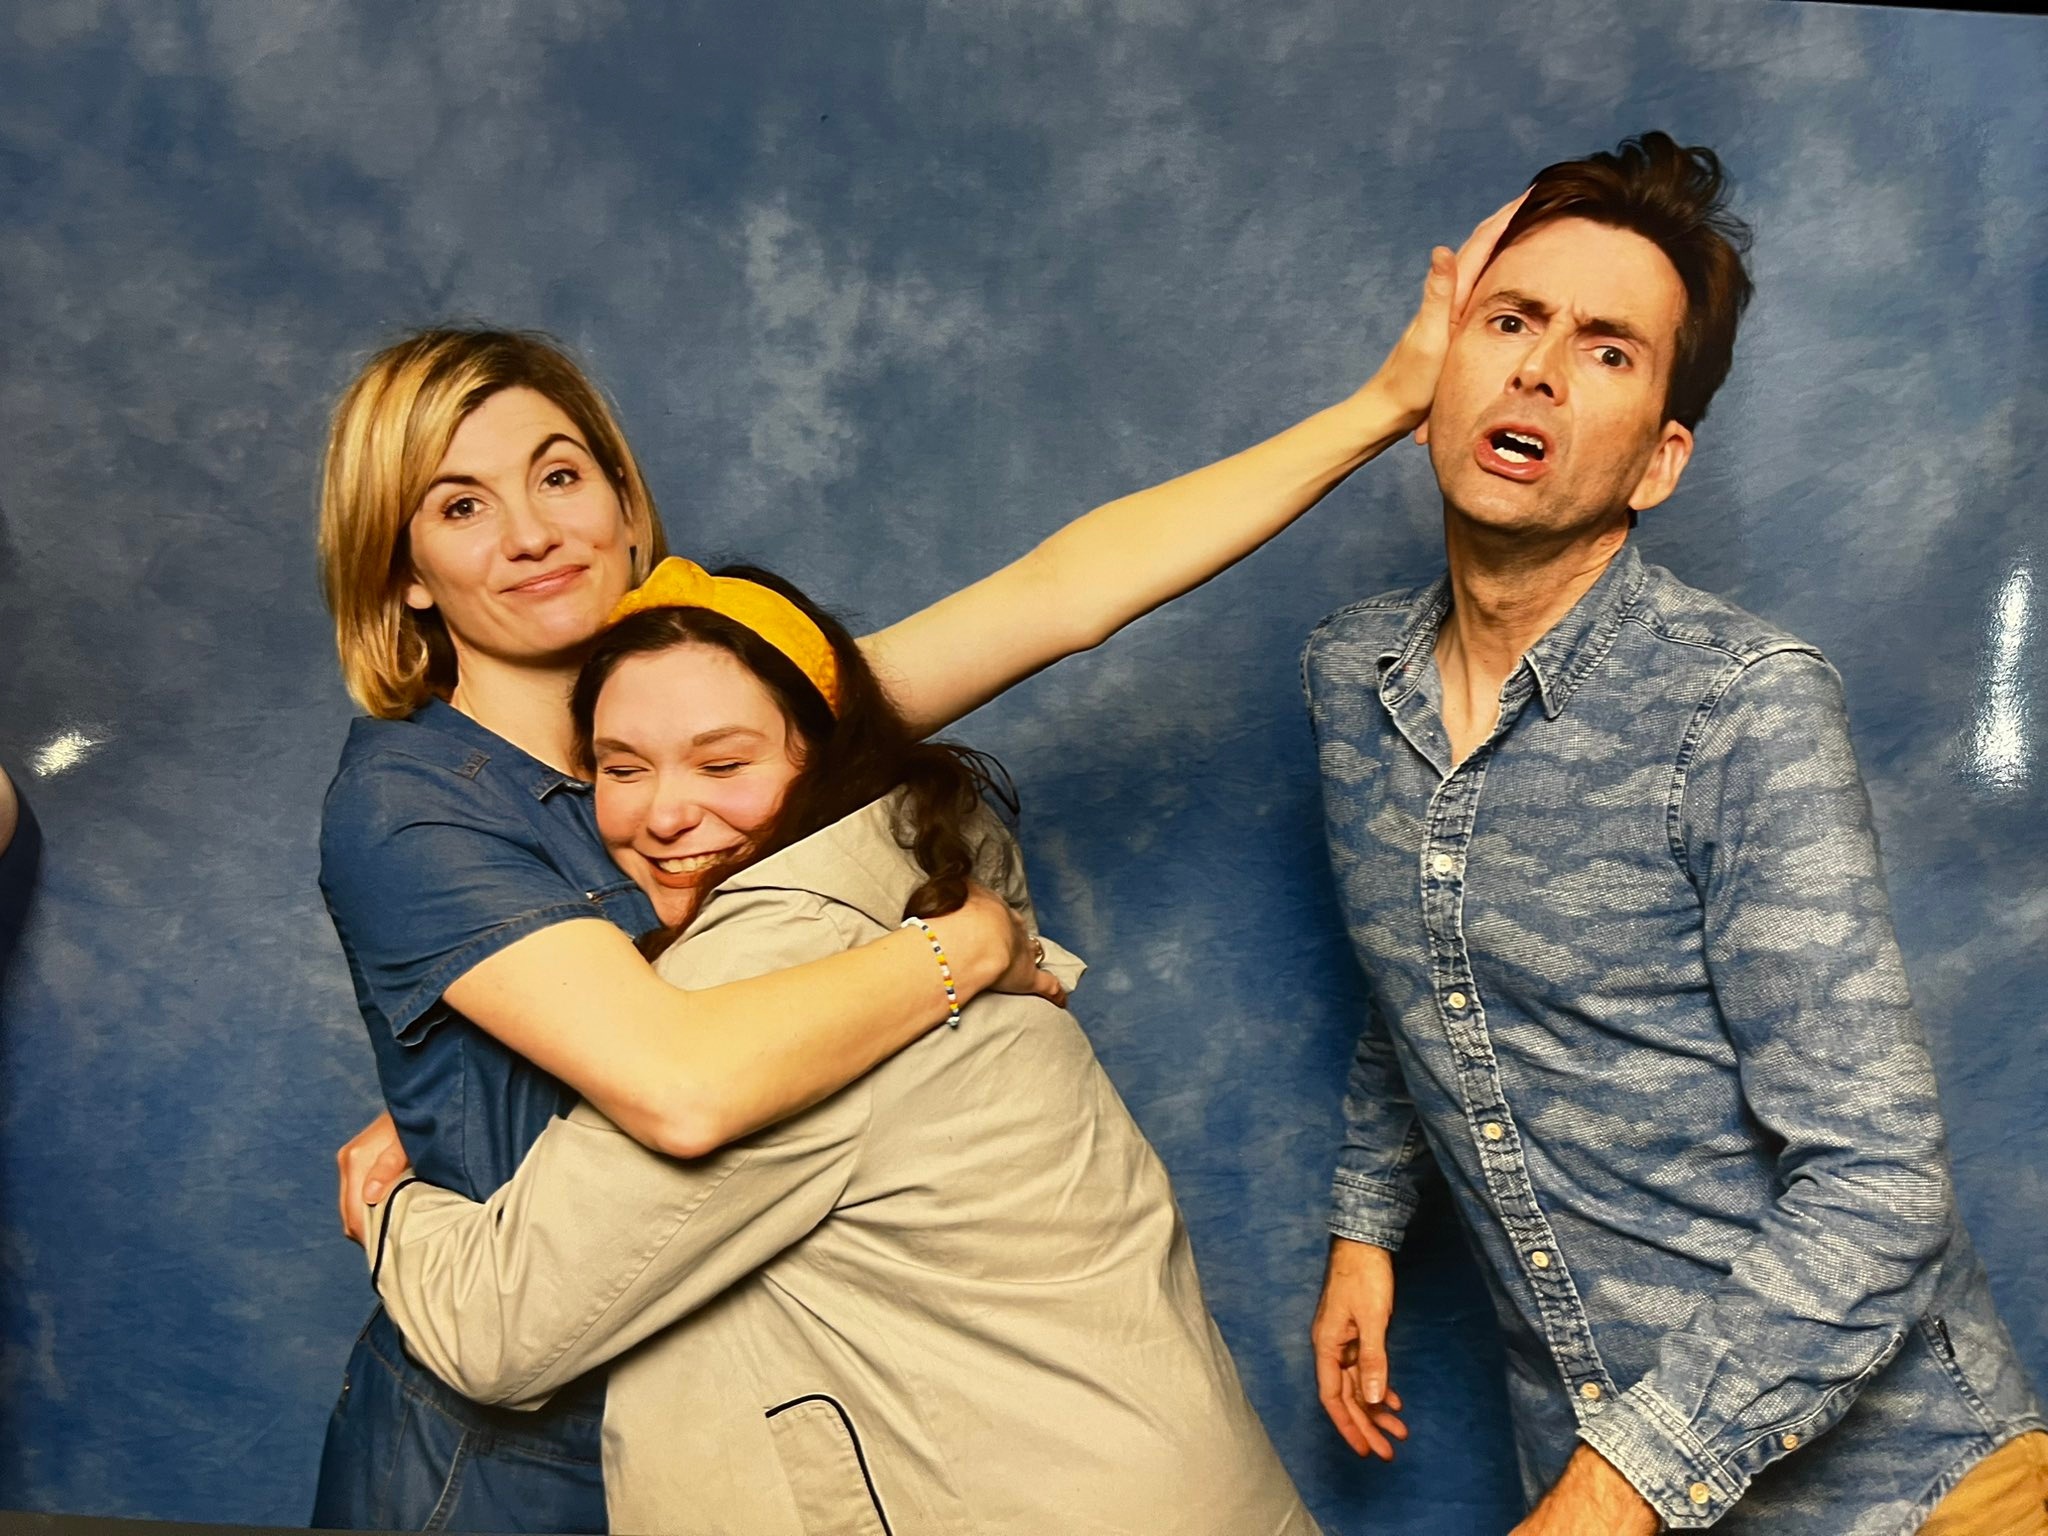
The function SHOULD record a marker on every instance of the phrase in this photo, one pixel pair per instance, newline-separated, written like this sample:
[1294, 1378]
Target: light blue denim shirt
[1635, 996]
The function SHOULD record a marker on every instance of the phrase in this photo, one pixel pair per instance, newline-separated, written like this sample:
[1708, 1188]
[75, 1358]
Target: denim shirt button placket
[1452, 811]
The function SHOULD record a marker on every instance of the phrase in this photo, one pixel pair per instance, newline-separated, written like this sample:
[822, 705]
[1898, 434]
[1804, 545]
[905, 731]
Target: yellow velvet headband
[680, 583]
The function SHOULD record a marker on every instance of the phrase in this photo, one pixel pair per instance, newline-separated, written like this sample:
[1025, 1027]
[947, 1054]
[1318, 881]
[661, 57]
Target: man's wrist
[1597, 1488]
[1364, 1210]
[1643, 1439]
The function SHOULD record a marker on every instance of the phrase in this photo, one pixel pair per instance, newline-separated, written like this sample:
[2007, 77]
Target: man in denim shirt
[1607, 859]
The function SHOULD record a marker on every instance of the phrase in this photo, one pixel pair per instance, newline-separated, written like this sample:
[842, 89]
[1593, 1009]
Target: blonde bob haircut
[389, 434]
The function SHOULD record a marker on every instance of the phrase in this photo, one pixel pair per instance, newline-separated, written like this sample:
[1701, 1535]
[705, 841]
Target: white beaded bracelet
[945, 970]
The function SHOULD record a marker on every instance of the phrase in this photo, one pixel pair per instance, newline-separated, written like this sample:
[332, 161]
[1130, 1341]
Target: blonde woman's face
[521, 540]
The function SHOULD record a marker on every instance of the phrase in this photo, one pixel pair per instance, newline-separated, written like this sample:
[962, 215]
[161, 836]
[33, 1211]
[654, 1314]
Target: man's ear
[1667, 462]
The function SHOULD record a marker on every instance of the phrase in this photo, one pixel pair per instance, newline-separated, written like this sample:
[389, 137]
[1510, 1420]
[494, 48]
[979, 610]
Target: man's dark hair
[1672, 197]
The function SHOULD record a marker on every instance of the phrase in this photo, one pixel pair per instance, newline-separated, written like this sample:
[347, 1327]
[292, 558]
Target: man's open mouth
[1517, 447]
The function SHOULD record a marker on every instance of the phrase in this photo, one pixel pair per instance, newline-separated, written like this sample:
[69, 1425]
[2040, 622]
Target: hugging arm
[502, 938]
[1776, 833]
[1128, 556]
[596, 1243]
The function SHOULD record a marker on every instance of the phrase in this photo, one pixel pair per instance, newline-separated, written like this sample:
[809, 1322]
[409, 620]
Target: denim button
[1540, 1259]
[1589, 1390]
[1492, 1131]
[1456, 1000]
[1443, 863]
[1790, 1442]
[1699, 1493]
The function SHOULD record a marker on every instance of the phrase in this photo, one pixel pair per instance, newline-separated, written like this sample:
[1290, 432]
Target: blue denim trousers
[404, 1453]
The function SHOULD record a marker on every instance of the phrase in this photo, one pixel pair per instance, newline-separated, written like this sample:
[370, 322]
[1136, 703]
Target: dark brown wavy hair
[845, 761]
[1676, 198]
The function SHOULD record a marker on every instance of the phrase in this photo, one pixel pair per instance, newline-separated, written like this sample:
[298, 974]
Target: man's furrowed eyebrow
[1521, 303]
[1598, 325]
[1620, 330]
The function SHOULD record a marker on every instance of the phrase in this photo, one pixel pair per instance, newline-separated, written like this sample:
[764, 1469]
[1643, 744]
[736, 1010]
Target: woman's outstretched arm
[1128, 556]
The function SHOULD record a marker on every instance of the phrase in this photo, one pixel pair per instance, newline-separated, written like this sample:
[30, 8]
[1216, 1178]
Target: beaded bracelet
[945, 970]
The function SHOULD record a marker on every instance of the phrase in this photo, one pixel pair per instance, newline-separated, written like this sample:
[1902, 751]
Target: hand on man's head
[1408, 376]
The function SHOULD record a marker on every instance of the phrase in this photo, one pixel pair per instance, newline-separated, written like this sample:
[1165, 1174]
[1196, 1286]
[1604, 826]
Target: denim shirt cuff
[1366, 1211]
[1648, 1442]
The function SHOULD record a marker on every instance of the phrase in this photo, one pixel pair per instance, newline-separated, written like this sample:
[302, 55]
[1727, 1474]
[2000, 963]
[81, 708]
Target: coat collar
[858, 862]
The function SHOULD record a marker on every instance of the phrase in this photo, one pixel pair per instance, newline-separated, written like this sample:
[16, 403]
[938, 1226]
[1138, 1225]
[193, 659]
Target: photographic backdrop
[885, 291]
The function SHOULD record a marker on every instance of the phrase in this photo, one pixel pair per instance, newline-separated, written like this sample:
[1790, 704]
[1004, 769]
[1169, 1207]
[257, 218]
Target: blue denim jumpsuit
[441, 844]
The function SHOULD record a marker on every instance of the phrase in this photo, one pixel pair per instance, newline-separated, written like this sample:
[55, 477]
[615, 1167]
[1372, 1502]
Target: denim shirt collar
[1559, 662]
[487, 746]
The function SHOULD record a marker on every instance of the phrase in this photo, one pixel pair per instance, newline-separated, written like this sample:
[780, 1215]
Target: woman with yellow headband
[480, 515]
[956, 1296]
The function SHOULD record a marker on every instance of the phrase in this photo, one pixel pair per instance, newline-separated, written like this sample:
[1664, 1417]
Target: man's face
[1549, 414]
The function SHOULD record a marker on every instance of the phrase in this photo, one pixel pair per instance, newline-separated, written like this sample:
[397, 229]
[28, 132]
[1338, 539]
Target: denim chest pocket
[608, 894]
[618, 900]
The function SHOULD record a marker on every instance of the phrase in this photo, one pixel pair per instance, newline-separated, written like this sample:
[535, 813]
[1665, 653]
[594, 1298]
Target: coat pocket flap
[827, 1470]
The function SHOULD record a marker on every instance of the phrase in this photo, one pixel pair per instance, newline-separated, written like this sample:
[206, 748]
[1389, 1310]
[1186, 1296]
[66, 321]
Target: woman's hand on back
[369, 1163]
[992, 929]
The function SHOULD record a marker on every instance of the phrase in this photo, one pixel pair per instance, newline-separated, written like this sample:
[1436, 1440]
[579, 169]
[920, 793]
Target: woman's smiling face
[521, 540]
[693, 757]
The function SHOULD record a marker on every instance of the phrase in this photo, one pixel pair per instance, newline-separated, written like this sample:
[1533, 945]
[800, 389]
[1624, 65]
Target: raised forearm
[1130, 555]
[1122, 560]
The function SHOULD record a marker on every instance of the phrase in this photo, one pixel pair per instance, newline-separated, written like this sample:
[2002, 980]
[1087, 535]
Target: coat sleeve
[596, 1243]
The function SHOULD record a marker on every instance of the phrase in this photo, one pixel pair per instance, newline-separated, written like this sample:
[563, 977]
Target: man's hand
[1350, 1339]
[1591, 1499]
[369, 1162]
[1407, 379]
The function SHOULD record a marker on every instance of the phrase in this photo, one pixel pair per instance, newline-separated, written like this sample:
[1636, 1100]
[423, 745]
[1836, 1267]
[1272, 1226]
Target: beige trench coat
[955, 1297]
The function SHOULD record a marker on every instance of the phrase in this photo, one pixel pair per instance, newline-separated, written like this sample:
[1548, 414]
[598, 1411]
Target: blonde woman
[480, 516]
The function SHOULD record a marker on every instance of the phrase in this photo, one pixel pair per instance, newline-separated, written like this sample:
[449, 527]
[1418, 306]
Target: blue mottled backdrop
[885, 292]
